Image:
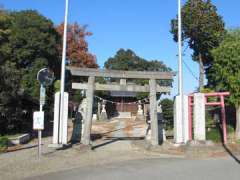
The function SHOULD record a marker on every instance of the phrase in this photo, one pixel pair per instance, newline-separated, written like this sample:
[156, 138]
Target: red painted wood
[217, 94]
[224, 123]
[213, 103]
[223, 112]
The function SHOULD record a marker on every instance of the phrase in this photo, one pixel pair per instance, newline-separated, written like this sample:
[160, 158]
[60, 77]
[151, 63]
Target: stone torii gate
[91, 86]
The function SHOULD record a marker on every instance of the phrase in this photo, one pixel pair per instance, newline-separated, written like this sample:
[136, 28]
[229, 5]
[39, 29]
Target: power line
[186, 65]
[189, 69]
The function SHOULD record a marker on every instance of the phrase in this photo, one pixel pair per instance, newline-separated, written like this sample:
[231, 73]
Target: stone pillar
[178, 132]
[88, 120]
[99, 110]
[82, 108]
[64, 132]
[161, 130]
[77, 128]
[181, 134]
[185, 120]
[199, 117]
[56, 118]
[153, 112]
[60, 126]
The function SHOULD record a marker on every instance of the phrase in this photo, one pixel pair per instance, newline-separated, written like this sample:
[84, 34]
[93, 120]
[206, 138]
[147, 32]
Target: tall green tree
[33, 45]
[224, 74]
[28, 42]
[128, 60]
[203, 30]
[5, 22]
[9, 96]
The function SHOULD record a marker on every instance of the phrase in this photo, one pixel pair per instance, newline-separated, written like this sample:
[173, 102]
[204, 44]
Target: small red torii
[221, 95]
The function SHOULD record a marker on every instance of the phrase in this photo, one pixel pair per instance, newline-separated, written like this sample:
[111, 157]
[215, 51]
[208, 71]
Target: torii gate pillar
[153, 113]
[88, 121]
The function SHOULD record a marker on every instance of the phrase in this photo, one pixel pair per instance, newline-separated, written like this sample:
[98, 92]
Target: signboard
[38, 120]
[42, 95]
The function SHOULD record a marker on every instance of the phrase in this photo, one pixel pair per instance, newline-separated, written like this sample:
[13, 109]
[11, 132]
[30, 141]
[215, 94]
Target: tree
[203, 29]
[9, 96]
[30, 43]
[33, 45]
[77, 50]
[224, 74]
[128, 60]
[5, 21]
[167, 111]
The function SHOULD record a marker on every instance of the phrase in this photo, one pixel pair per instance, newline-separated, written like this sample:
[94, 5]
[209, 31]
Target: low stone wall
[22, 139]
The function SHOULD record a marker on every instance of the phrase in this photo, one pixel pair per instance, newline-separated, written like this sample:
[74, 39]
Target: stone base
[140, 117]
[195, 143]
[55, 146]
[94, 118]
[122, 115]
[148, 135]
[180, 128]
[22, 139]
[103, 116]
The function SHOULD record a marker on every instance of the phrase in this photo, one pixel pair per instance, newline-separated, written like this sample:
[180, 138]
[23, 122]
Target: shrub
[215, 134]
[167, 111]
[3, 143]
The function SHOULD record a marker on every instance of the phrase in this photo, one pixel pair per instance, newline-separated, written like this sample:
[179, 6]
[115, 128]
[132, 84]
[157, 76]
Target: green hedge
[3, 143]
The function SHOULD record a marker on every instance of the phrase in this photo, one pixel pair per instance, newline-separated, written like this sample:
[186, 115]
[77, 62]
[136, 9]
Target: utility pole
[180, 79]
[63, 66]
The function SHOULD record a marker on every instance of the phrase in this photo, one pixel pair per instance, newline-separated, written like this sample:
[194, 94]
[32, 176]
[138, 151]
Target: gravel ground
[115, 146]
[24, 163]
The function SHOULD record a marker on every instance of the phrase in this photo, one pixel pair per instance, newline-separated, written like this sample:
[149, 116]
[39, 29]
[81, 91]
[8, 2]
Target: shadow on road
[115, 139]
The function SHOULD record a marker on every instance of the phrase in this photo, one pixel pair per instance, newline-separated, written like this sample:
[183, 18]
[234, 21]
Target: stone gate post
[88, 120]
[199, 117]
[153, 112]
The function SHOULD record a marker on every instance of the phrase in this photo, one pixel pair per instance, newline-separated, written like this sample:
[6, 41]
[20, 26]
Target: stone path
[124, 131]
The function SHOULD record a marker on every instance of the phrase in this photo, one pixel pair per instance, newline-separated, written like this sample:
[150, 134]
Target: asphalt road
[149, 169]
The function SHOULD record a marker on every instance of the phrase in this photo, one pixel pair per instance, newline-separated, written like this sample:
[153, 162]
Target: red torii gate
[220, 95]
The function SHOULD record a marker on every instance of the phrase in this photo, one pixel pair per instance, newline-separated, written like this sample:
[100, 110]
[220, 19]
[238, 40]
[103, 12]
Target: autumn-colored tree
[77, 47]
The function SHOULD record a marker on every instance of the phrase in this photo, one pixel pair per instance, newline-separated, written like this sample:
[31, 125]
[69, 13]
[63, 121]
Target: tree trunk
[201, 73]
[237, 122]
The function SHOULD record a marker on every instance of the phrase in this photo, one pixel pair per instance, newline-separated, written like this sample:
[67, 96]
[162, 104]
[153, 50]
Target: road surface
[154, 169]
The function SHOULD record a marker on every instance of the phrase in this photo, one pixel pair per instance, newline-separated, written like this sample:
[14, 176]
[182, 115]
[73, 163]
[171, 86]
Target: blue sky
[140, 25]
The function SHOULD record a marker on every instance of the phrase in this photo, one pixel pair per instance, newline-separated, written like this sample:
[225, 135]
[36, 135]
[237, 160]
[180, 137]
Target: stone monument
[140, 115]
[103, 115]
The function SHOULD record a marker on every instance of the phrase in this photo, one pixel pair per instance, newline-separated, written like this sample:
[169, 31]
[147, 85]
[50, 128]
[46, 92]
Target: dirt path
[121, 135]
